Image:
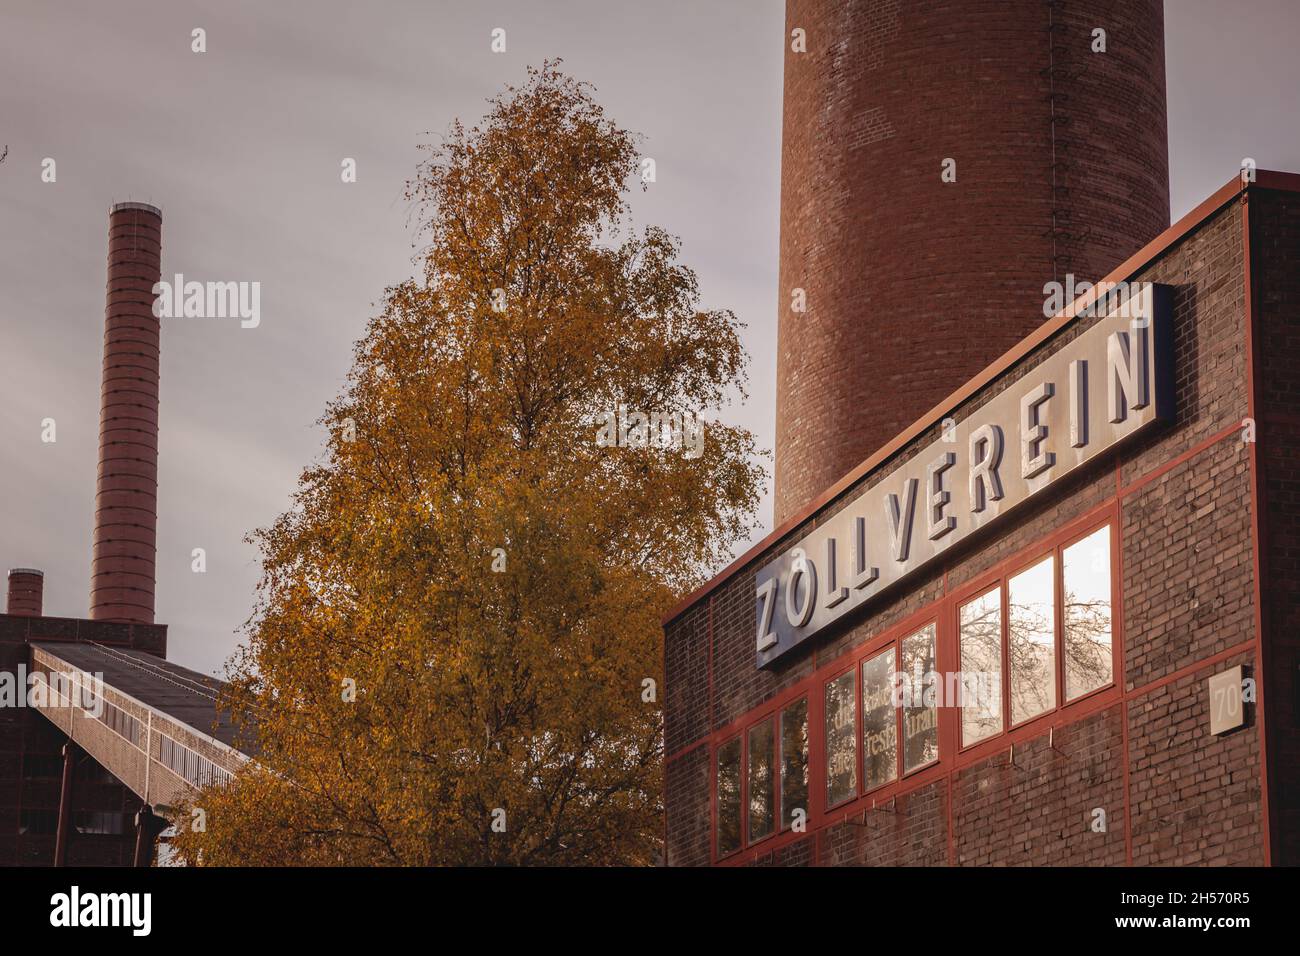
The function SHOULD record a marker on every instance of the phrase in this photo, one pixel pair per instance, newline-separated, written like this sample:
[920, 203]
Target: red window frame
[894, 642]
[718, 852]
[975, 593]
[771, 715]
[1001, 580]
[779, 783]
[1115, 609]
[862, 662]
[952, 753]
[772, 721]
[903, 772]
[1058, 665]
[856, 791]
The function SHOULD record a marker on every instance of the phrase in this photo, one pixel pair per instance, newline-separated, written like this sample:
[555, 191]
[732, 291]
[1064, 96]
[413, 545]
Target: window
[195, 769]
[920, 709]
[879, 722]
[100, 821]
[1028, 643]
[772, 756]
[43, 766]
[1085, 579]
[1058, 607]
[38, 822]
[762, 745]
[900, 703]
[841, 739]
[794, 761]
[980, 637]
[120, 722]
[95, 773]
[729, 796]
[1031, 640]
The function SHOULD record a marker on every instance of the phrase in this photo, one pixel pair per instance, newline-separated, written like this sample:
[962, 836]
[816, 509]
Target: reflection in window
[879, 722]
[1031, 640]
[920, 709]
[113, 823]
[761, 761]
[841, 740]
[729, 796]
[980, 636]
[1085, 572]
[794, 761]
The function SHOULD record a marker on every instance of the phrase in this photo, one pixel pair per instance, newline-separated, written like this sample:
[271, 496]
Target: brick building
[97, 729]
[100, 829]
[1094, 597]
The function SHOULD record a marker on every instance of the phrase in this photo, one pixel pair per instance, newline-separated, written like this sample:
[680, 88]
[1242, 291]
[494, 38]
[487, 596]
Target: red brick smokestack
[126, 494]
[914, 284]
[26, 592]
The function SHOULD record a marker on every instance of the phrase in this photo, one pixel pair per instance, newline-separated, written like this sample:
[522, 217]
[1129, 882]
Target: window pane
[879, 721]
[729, 796]
[794, 761]
[761, 760]
[1085, 569]
[981, 666]
[1031, 640]
[920, 709]
[841, 740]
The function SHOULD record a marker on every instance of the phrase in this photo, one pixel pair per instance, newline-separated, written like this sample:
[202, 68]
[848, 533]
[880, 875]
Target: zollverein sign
[1107, 384]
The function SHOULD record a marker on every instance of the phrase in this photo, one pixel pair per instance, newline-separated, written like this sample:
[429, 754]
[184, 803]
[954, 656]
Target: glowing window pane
[879, 721]
[980, 636]
[920, 709]
[729, 796]
[761, 762]
[1085, 575]
[841, 739]
[1031, 640]
[794, 761]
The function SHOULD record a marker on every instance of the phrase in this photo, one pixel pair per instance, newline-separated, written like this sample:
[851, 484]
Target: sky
[241, 148]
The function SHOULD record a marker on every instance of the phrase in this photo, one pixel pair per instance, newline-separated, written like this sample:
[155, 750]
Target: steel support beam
[147, 828]
[70, 753]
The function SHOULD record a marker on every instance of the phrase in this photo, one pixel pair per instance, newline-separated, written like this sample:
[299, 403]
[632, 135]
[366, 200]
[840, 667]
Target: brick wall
[689, 817]
[1171, 793]
[1275, 252]
[914, 284]
[31, 748]
[1195, 798]
[1035, 805]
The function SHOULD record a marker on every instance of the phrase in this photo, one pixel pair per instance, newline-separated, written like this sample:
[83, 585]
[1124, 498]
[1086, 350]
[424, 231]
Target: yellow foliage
[511, 696]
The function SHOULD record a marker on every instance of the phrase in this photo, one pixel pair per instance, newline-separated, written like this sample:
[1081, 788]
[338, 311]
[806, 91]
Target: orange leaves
[484, 575]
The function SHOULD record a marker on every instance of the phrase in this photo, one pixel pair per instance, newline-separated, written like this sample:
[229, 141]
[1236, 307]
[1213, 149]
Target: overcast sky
[241, 146]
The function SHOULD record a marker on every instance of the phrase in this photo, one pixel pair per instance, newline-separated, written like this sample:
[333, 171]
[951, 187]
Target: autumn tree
[456, 654]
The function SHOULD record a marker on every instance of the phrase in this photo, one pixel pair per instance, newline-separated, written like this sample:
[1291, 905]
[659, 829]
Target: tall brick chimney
[26, 592]
[126, 494]
[913, 284]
